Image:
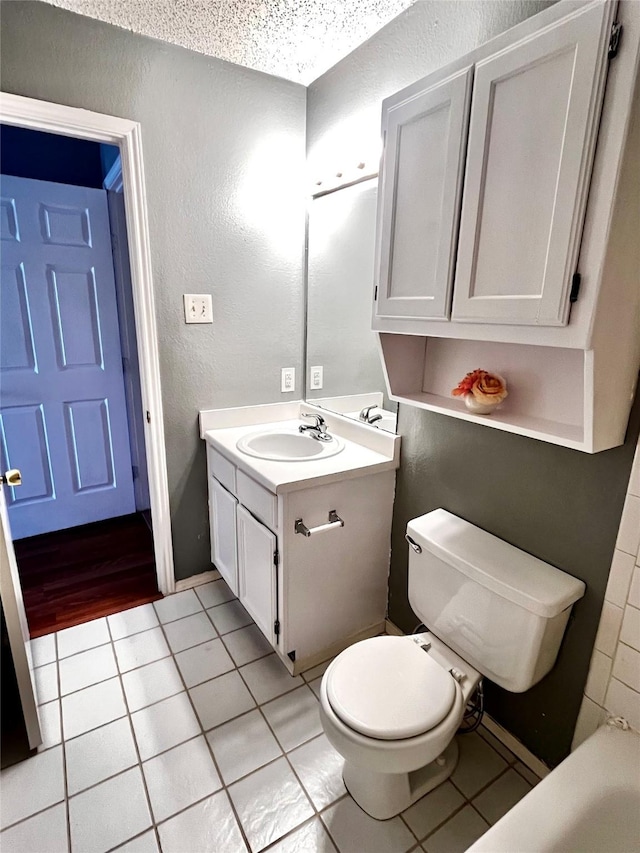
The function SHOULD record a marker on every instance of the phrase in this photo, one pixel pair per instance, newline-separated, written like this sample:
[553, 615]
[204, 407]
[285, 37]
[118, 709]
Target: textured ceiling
[295, 39]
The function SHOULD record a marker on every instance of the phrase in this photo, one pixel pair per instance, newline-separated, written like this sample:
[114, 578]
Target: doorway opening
[102, 552]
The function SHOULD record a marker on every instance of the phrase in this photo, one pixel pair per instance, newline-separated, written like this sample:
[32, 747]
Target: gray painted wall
[224, 161]
[561, 505]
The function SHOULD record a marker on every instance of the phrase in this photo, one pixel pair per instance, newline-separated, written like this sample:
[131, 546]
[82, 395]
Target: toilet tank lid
[495, 564]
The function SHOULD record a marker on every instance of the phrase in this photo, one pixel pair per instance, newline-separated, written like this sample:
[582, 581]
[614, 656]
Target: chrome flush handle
[417, 548]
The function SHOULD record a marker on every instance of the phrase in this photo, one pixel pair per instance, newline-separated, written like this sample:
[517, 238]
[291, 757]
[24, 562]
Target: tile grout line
[295, 774]
[442, 823]
[401, 816]
[213, 759]
[136, 747]
[63, 745]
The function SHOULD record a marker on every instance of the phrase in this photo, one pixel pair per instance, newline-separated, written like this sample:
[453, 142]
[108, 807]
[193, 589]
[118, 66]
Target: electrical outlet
[198, 308]
[315, 378]
[288, 380]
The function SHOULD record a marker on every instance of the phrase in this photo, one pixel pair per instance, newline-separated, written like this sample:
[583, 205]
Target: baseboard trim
[505, 737]
[391, 629]
[516, 747]
[197, 580]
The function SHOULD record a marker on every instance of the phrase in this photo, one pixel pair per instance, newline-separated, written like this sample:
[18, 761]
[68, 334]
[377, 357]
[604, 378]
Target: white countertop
[354, 460]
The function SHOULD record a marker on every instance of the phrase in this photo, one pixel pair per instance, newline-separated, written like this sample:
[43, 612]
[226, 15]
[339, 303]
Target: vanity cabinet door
[257, 572]
[534, 122]
[425, 140]
[222, 521]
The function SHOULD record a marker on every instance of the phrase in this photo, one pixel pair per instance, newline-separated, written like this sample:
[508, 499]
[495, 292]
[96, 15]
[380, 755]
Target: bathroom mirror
[342, 351]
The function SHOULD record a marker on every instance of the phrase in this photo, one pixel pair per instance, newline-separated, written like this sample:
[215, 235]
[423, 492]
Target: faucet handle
[319, 419]
[366, 412]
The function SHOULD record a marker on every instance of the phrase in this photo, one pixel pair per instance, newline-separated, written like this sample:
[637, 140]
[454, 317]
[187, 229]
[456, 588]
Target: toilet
[391, 706]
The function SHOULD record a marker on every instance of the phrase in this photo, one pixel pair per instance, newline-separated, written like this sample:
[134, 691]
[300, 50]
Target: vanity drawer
[259, 501]
[223, 470]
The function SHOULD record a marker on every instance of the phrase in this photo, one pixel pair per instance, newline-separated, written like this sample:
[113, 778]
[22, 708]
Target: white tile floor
[175, 727]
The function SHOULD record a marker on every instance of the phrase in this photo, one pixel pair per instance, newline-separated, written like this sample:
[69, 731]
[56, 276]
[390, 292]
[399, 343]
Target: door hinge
[276, 627]
[614, 40]
[135, 471]
[575, 287]
[276, 558]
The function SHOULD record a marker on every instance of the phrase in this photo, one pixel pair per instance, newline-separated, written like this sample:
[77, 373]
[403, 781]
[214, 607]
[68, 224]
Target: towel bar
[334, 521]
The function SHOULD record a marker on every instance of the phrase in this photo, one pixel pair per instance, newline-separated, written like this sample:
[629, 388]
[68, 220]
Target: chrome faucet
[366, 416]
[318, 430]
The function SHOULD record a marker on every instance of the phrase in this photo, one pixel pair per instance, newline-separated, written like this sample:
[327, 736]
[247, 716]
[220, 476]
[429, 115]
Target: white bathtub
[589, 804]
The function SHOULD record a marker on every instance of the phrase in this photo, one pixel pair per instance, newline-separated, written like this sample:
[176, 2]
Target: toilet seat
[389, 688]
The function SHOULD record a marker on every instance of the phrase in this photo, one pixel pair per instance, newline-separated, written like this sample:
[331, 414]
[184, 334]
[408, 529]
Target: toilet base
[384, 795]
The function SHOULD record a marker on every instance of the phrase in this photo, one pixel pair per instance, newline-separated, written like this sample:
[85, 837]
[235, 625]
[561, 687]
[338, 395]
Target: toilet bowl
[392, 705]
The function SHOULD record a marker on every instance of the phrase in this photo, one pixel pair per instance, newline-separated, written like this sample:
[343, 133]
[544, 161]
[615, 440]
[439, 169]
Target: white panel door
[257, 586]
[534, 121]
[222, 521]
[425, 140]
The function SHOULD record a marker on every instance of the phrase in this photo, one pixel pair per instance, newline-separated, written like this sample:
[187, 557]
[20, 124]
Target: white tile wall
[613, 684]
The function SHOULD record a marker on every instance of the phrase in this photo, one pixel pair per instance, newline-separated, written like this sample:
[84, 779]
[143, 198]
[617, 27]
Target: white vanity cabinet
[520, 125]
[223, 507]
[311, 596]
[258, 572]
[507, 227]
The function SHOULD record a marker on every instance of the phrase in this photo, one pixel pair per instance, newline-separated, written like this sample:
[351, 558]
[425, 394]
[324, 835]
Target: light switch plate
[198, 308]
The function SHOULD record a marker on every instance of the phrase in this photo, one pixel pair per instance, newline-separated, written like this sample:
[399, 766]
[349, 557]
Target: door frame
[126, 134]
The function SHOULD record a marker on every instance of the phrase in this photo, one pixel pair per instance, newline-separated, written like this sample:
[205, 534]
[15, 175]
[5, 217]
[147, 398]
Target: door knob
[12, 477]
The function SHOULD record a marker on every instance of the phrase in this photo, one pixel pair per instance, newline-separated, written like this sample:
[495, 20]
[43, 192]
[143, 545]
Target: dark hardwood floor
[71, 576]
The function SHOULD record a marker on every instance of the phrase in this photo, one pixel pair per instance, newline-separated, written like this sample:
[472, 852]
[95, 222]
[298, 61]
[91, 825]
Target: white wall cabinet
[532, 136]
[549, 203]
[534, 113]
[310, 596]
[421, 192]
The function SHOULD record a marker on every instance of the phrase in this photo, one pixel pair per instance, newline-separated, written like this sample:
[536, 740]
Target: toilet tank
[503, 610]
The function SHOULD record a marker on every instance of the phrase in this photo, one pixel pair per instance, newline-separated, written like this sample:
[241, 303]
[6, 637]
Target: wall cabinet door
[222, 521]
[425, 138]
[534, 121]
[257, 586]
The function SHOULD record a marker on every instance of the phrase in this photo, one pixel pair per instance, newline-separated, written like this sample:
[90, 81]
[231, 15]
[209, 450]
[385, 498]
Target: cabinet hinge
[276, 558]
[276, 627]
[614, 40]
[575, 287]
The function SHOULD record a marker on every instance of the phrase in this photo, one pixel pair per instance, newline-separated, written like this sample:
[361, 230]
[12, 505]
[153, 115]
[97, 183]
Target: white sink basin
[287, 446]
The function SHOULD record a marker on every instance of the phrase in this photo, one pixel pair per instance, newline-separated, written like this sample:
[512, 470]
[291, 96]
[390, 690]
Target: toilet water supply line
[474, 712]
